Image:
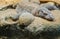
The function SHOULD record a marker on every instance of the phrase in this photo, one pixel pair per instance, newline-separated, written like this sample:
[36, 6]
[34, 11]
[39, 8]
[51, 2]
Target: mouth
[49, 17]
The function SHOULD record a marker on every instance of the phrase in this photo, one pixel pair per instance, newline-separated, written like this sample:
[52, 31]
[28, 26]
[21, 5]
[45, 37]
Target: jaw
[49, 17]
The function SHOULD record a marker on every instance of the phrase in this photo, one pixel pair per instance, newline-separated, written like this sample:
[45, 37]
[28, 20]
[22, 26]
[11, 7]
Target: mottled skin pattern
[39, 11]
[45, 13]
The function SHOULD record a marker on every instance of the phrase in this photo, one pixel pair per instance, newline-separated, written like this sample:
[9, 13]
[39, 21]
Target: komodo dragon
[36, 10]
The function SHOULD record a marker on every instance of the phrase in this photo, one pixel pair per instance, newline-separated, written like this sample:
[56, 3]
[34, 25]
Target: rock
[35, 27]
[6, 16]
[26, 18]
[44, 29]
[6, 3]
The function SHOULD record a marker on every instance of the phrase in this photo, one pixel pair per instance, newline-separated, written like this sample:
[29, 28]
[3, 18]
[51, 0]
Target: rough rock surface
[4, 3]
[5, 16]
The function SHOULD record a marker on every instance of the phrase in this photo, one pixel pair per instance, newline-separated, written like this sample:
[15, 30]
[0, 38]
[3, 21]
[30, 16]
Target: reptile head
[46, 14]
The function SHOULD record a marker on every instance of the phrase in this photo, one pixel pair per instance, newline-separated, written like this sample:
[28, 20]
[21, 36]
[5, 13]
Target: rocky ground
[26, 26]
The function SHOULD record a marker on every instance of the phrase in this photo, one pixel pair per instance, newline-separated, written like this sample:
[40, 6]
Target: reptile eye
[41, 11]
[45, 14]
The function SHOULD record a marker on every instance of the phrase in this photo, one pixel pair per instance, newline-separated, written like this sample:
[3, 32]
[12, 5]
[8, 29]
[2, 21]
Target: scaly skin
[45, 13]
[36, 10]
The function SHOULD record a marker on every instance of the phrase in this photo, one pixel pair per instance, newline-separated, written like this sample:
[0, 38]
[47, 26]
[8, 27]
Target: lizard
[36, 10]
